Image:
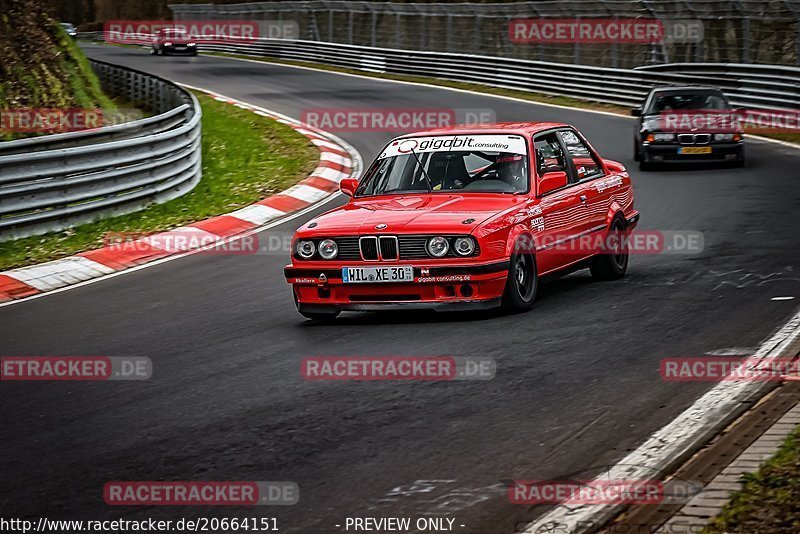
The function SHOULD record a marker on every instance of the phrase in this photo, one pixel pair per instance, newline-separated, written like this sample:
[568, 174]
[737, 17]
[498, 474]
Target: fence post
[350, 28]
[374, 24]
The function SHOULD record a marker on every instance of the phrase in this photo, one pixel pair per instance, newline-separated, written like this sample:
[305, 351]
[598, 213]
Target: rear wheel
[613, 263]
[522, 282]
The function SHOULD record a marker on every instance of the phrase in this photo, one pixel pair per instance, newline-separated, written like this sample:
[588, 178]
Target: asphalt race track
[577, 380]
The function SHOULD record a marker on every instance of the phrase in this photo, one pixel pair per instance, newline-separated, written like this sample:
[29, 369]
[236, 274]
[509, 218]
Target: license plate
[694, 150]
[377, 275]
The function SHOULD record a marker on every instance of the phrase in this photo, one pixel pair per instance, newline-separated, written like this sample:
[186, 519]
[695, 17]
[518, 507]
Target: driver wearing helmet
[511, 170]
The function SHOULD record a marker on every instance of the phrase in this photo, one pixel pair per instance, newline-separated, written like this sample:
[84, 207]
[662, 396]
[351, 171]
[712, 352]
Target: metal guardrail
[740, 31]
[747, 85]
[52, 182]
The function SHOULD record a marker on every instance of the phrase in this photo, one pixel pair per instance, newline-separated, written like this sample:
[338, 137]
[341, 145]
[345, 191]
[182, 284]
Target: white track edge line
[709, 414]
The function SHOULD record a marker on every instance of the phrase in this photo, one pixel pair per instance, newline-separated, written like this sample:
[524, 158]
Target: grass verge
[770, 498]
[246, 157]
[478, 88]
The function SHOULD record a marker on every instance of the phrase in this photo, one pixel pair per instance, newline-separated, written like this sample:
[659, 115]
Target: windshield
[479, 163]
[67, 26]
[671, 101]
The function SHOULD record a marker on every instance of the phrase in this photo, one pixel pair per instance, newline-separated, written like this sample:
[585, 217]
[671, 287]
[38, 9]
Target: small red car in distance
[170, 41]
[465, 218]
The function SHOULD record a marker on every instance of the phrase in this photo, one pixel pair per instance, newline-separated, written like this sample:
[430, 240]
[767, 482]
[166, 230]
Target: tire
[644, 165]
[741, 161]
[612, 266]
[323, 317]
[637, 155]
[522, 282]
[154, 51]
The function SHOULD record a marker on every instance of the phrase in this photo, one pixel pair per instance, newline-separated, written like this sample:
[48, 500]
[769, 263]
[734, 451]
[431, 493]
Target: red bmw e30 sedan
[465, 218]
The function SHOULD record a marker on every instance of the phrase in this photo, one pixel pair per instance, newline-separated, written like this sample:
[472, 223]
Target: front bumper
[668, 153]
[318, 287]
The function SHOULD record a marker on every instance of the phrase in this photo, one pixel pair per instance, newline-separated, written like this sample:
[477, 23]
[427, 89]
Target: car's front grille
[388, 245]
[702, 139]
[391, 248]
[348, 248]
[413, 246]
[694, 139]
[369, 248]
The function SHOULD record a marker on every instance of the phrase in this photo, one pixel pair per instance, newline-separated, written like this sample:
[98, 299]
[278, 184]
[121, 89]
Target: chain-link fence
[730, 31]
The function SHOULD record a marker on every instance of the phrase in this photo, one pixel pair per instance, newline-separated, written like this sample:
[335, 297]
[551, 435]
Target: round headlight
[305, 249]
[464, 246]
[438, 246]
[328, 249]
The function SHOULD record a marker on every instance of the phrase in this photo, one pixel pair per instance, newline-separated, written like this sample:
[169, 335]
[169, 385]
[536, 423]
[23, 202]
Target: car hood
[413, 214]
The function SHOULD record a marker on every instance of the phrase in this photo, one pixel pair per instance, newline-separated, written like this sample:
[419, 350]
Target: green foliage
[770, 498]
[42, 67]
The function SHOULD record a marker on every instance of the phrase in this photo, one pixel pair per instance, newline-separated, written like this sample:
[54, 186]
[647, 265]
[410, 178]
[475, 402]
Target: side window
[584, 164]
[549, 156]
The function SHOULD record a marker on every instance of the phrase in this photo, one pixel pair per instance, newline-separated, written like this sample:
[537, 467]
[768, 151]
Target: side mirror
[636, 112]
[550, 181]
[614, 166]
[348, 186]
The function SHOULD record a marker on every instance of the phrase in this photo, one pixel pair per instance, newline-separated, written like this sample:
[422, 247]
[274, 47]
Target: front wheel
[522, 282]
[740, 159]
[612, 264]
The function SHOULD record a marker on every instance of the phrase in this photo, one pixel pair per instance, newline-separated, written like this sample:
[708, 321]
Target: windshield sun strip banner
[490, 143]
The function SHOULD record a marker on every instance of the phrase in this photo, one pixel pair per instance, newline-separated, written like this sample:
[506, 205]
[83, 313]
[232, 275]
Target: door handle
[583, 199]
